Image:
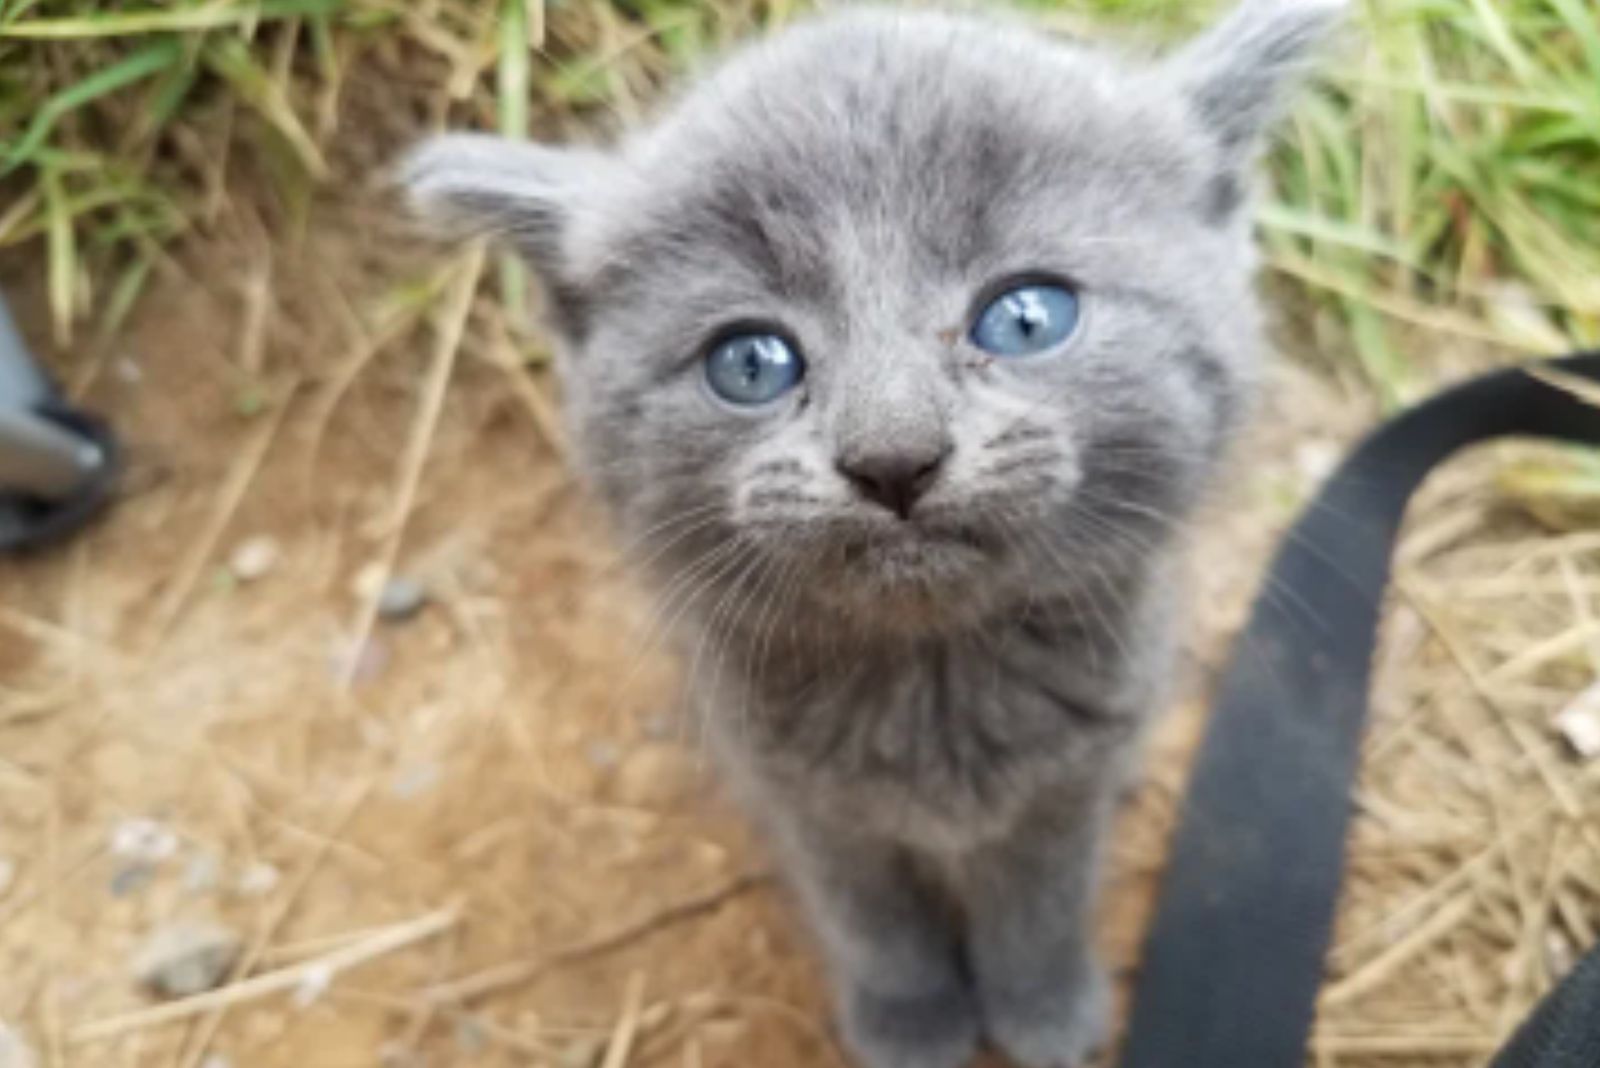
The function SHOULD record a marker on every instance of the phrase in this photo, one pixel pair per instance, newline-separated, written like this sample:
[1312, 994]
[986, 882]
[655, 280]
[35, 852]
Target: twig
[257, 305]
[516, 973]
[274, 920]
[1403, 1045]
[417, 448]
[621, 1046]
[385, 942]
[1378, 970]
[234, 489]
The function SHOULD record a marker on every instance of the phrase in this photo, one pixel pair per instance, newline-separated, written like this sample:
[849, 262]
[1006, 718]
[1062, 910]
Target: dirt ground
[482, 836]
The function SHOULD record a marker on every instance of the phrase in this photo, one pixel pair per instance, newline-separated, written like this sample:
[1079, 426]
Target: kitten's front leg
[1045, 999]
[903, 1000]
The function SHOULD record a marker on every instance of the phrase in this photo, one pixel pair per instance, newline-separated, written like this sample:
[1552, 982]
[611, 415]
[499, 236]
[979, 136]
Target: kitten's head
[933, 313]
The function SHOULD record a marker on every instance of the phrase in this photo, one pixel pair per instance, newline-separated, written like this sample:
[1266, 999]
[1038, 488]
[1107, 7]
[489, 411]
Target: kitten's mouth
[912, 575]
[915, 554]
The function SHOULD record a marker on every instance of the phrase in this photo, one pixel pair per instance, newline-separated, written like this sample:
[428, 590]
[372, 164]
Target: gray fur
[931, 715]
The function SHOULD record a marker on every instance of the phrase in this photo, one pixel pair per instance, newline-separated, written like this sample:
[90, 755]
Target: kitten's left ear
[1239, 74]
[527, 193]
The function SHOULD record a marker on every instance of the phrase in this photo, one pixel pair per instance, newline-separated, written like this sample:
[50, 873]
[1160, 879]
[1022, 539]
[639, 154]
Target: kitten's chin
[912, 580]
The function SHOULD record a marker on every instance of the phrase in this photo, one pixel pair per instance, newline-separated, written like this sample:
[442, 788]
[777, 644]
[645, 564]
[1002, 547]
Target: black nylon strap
[1565, 1031]
[1234, 960]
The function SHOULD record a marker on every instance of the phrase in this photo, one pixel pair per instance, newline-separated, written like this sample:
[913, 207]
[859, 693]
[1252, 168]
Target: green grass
[1444, 185]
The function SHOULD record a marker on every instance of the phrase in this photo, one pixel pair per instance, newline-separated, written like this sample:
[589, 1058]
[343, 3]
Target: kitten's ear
[524, 192]
[1240, 73]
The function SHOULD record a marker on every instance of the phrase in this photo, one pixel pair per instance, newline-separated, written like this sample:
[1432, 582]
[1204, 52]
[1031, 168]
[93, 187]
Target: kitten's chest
[943, 742]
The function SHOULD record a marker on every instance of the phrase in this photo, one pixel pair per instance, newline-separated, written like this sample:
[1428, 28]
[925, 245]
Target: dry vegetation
[483, 836]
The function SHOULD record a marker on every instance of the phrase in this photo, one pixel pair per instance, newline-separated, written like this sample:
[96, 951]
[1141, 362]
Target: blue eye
[753, 369]
[1027, 320]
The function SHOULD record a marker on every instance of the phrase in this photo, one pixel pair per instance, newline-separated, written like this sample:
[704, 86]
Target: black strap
[1235, 958]
[1565, 1031]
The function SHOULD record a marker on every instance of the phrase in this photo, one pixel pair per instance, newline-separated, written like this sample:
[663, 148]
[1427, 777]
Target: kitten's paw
[938, 1030]
[1058, 1025]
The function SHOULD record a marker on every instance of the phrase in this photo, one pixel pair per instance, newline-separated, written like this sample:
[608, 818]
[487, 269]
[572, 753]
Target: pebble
[14, 1052]
[201, 874]
[1579, 724]
[144, 841]
[129, 879]
[216, 1060]
[8, 876]
[254, 558]
[368, 581]
[259, 879]
[1559, 956]
[655, 776]
[1316, 460]
[401, 598]
[415, 781]
[187, 957]
[312, 986]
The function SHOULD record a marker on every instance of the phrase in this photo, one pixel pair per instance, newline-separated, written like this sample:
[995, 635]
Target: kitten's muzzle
[893, 479]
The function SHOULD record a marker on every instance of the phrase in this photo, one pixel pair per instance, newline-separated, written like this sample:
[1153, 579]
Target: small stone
[201, 874]
[254, 558]
[368, 581]
[14, 1052]
[1316, 460]
[8, 876]
[312, 986]
[1559, 956]
[129, 879]
[1579, 724]
[216, 1060]
[415, 781]
[143, 840]
[401, 598]
[259, 879]
[656, 776]
[186, 958]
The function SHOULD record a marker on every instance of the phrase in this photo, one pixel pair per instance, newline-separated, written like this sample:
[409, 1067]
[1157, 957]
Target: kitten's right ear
[1239, 73]
[524, 192]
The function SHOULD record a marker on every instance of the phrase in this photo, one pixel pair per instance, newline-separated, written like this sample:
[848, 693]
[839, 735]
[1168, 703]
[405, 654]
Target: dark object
[1235, 958]
[57, 465]
[1564, 1033]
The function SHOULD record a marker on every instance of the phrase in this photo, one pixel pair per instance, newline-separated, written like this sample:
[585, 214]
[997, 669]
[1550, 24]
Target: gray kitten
[903, 347]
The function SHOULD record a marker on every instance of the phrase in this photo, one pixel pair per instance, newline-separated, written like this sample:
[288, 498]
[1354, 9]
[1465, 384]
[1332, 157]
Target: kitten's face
[907, 317]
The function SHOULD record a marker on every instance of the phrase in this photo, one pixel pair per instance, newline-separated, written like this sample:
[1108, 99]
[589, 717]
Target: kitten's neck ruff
[941, 736]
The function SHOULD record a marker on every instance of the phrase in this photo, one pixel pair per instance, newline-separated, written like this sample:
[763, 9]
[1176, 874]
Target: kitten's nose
[895, 479]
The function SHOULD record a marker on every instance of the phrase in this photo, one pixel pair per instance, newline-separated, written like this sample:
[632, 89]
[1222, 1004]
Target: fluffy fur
[931, 714]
